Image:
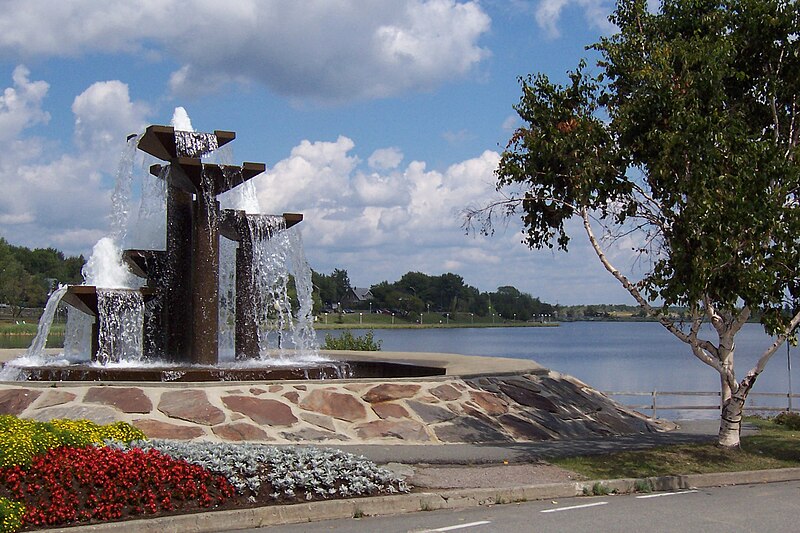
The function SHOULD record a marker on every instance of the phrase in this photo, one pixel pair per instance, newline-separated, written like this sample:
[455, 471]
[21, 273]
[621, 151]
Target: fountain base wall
[479, 399]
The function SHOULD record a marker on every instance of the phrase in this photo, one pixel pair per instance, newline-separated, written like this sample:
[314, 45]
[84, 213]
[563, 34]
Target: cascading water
[121, 315]
[78, 333]
[227, 298]
[193, 144]
[121, 198]
[304, 336]
[277, 253]
[46, 321]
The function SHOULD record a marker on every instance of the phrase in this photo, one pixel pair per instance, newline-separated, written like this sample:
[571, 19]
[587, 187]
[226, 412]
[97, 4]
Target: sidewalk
[460, 475]
[456, 466]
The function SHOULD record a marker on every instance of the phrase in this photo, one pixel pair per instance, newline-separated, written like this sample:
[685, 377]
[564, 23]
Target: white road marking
[573, 507]
[666, 494]
[459, 526]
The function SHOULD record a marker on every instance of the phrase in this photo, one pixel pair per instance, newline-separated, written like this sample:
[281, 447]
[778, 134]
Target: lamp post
[392, 318]
[472, 317]
[326, 318]
[789, 367]
[420, 319]
[447, 317]
[360, 318]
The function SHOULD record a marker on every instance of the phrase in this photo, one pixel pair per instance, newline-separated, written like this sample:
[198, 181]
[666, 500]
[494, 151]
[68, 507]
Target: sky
[379, 120]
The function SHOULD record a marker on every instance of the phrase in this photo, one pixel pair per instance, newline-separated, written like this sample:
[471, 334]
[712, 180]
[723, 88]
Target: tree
[687, 142]
[341, 283]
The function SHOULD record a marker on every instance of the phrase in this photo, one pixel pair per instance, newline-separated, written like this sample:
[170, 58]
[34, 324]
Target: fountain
[166, 326]
[203, 301]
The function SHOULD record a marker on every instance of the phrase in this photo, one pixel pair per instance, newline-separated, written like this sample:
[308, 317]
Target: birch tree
[684, 140]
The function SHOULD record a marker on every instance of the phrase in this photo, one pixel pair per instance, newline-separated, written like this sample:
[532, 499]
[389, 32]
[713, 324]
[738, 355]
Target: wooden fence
[654, 406]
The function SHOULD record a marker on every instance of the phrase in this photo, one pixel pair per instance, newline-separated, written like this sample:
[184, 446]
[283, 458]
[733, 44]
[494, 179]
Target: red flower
[68, 485]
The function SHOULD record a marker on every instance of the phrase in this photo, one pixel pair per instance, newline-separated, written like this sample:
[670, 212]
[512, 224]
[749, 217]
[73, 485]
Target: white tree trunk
[730, 425]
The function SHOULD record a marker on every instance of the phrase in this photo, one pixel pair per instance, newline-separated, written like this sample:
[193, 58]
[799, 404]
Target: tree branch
[631, 288]
[770, 351]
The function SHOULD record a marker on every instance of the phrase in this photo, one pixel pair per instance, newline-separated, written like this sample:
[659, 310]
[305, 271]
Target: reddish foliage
[81, 484]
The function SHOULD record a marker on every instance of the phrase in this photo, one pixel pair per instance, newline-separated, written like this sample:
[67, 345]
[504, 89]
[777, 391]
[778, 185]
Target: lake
[610, 356]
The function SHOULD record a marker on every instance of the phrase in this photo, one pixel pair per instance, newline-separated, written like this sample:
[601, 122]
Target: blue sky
[377, 119]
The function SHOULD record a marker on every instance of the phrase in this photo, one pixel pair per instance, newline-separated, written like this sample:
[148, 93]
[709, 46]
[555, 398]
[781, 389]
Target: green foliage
[348, 341]
[24, 273]
[686, 136]
[11, 513]
[332, 289]
[788, 420]
[685, 144]
[22, 439]
[416, 293]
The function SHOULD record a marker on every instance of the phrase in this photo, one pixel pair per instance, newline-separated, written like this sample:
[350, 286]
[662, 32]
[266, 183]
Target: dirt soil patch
[489, 476]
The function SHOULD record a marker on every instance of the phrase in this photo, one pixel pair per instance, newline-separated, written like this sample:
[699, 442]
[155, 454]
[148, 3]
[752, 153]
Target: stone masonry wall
[505, 408]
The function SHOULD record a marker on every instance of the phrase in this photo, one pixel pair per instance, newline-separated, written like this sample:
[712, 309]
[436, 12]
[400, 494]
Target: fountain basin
[194, 374]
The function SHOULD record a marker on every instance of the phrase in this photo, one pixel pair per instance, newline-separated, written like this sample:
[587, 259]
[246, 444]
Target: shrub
[10, 515]
[67, 485]
[348, 341]
[599, 489]
[789, 420]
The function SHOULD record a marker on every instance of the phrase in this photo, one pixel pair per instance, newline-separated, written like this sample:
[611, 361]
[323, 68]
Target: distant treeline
[416, 292]
[27, 276]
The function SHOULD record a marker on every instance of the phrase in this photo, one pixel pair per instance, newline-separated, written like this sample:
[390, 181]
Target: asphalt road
[742, 508]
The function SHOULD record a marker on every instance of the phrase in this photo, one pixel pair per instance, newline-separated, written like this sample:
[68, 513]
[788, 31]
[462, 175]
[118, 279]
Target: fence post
[655, 411]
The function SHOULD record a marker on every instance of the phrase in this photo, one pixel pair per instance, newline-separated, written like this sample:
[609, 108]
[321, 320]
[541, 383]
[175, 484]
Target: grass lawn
[366, 320]
[28, 328]
[774, 446]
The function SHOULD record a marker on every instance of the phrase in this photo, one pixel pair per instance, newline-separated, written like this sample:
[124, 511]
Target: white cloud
[322, 51]
[104, 116]
[456, 138]
[510, 123]
[385, 158]
[548, 14]
[381, 223]
[20, 105]
[52, 198]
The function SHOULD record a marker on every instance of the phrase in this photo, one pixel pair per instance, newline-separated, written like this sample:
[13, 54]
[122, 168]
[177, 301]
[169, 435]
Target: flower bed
[70, 472]
[67, 485]
[272, 474]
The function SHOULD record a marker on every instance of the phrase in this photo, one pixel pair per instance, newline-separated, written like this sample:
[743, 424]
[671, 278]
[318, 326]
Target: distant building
[357, 297]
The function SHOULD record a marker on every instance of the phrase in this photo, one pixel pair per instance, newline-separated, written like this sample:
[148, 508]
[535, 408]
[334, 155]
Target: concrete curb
[424, 501]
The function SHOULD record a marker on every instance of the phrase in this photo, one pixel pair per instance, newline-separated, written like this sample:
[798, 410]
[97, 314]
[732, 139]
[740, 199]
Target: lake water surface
[610, 356]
